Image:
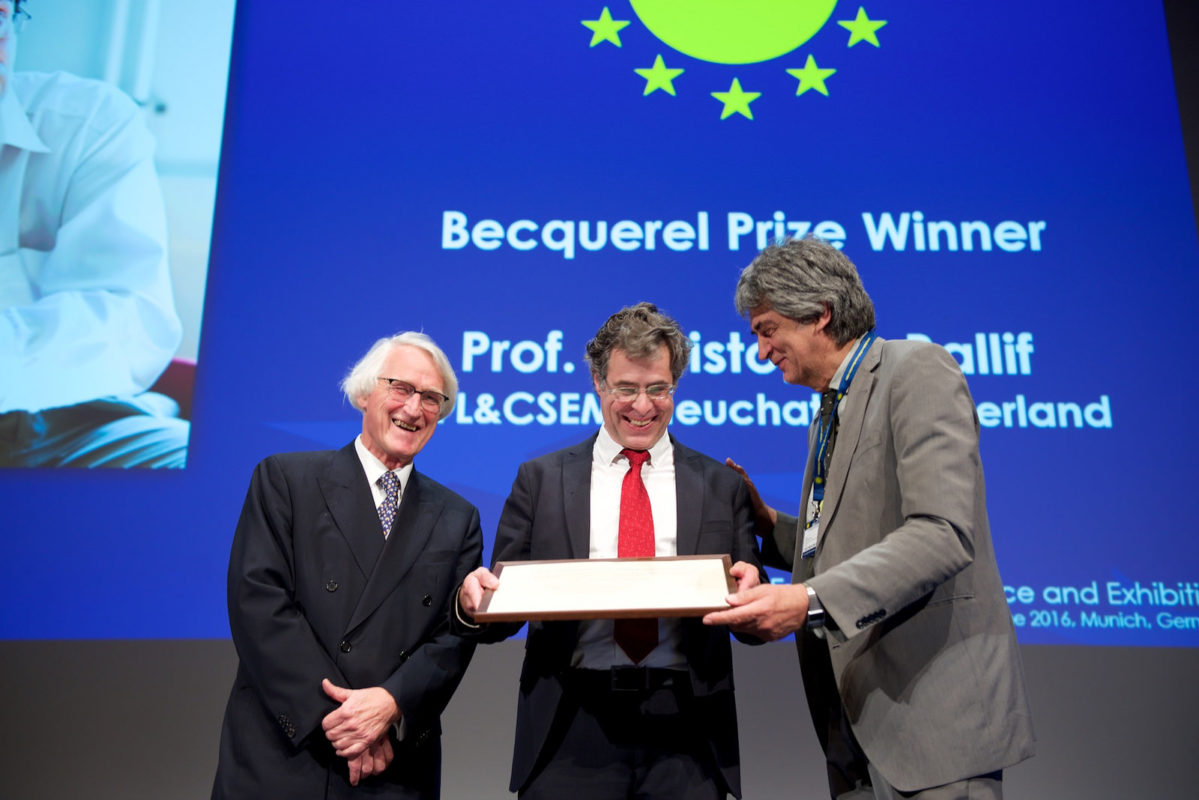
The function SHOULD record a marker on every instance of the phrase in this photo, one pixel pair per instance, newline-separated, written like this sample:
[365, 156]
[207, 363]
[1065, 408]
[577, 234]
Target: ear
[595, 380]
[824, 318]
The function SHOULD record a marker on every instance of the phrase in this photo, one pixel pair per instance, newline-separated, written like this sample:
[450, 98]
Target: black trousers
[626, 734]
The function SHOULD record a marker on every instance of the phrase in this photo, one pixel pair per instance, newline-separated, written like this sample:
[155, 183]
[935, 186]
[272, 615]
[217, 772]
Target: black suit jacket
[548, 516]
[315, 591]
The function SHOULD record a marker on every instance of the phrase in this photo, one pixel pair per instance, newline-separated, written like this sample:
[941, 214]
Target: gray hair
[360, 380]
[639, 331]
[799, 278]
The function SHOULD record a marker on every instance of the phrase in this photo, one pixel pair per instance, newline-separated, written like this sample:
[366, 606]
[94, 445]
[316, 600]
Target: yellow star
[861, 28]
[736, 101]
[659, 76]
[811, 77]
[605, 29]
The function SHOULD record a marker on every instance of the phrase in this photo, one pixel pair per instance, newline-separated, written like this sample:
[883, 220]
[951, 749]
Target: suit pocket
[434, 583]
[432, 557]
[715, 536]
[869, 442]
[953, 598]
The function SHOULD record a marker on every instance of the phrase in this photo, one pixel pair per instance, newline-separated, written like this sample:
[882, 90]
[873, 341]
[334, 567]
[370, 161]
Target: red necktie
[637, 637]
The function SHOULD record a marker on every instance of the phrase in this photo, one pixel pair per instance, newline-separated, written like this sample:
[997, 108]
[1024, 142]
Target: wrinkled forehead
[763, 315]
[414, 365]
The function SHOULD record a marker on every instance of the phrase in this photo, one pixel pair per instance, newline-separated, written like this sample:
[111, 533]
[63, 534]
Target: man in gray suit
[908, 653]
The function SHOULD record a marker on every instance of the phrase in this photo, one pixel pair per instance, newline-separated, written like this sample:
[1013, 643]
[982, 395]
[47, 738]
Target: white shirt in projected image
[86, 309]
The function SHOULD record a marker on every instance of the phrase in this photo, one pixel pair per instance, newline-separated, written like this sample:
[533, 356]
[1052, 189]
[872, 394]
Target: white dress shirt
[374, 470]
[597, 649]
[86, 309]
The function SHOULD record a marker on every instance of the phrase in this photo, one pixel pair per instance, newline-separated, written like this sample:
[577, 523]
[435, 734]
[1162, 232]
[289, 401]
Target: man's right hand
[471, 593]
[768, 611]
[765, 516]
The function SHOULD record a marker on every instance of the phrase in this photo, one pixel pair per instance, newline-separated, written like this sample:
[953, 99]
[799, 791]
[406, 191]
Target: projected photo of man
[87, 315]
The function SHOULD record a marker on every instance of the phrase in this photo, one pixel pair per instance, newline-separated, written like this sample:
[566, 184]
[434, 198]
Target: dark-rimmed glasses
[402, 390]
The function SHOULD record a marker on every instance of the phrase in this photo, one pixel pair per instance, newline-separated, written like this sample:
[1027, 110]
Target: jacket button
[331, 586]
[345, 646]
[288, 728]
[426, 601]
[403, 656]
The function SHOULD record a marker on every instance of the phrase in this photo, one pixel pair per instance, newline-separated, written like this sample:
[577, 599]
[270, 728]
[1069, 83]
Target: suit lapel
[352, 507]
[849, 433]
[576, 495]
[689, 499]
[409, 536]
[801, 568]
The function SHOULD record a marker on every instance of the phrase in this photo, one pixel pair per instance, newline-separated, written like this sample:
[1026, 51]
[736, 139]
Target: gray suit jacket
[315, 591]
[929, 672]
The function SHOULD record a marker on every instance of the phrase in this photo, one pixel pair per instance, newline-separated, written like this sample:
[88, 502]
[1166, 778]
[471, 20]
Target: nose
[763, 349]
[415, 396]
[642, 403]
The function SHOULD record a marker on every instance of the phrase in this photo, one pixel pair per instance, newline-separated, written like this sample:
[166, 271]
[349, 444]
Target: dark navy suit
[315, 591]
[548, 516]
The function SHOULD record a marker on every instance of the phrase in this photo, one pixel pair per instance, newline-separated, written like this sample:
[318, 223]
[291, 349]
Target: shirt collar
[15, 127]
[607, 450]
[835, 383]
[374, 468]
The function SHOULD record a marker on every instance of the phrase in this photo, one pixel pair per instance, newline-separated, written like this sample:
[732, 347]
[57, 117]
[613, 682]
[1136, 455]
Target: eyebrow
[404, 380]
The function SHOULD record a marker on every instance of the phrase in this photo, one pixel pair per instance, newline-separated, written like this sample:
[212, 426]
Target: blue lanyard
[823, 431]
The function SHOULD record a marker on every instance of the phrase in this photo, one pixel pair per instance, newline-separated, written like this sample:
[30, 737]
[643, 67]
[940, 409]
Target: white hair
[360, 381]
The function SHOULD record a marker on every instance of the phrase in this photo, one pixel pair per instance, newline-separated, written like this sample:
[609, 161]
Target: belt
[628, 679]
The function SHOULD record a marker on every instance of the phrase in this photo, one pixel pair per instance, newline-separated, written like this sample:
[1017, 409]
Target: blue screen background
[348, 139]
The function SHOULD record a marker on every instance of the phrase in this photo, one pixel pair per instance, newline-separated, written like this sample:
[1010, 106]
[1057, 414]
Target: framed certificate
[608, 588]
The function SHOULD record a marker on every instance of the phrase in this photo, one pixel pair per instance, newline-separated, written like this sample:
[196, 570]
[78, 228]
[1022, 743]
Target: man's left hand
[373, 761]
[364, 716]
[767, 611]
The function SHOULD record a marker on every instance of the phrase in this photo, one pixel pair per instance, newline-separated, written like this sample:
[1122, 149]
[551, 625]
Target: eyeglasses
[17, 18]
[402, 390]
[657, 392]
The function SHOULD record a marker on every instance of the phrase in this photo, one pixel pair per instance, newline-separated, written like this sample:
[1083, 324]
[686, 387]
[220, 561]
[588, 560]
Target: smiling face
[394, 430]
[801, 350]
[639, 423]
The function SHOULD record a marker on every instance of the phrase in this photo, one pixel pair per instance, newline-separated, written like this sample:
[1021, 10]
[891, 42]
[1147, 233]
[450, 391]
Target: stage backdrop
[1010, 182]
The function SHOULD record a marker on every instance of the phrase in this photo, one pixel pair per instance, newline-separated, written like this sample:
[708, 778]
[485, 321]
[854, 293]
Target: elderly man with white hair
[340, 578]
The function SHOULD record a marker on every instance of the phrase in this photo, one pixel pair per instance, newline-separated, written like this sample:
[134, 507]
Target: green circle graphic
[734, 31]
